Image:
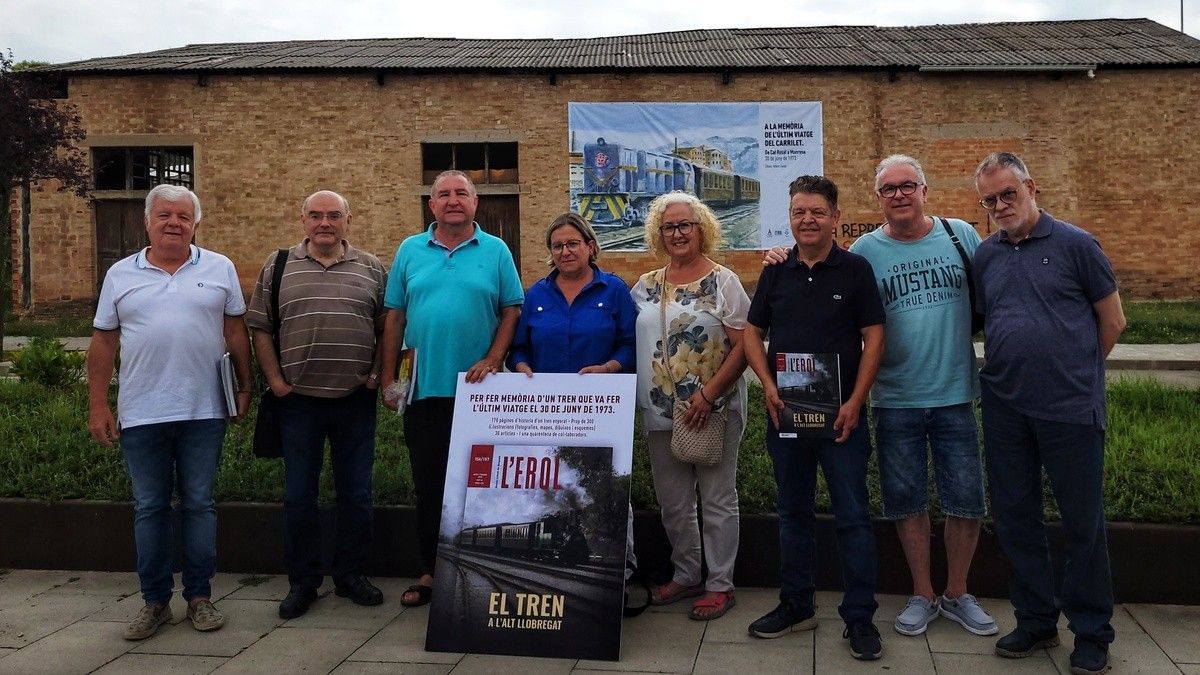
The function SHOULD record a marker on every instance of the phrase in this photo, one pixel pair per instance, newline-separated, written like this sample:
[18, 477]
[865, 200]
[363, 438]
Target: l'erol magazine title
[810, 387]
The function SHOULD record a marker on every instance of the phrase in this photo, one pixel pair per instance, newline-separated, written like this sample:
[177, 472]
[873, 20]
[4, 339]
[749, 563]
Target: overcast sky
[69, 30]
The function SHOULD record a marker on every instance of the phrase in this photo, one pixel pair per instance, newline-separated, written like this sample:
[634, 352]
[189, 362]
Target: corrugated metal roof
[1042, 44]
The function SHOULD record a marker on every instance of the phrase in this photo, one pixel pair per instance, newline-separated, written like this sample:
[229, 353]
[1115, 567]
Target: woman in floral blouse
[705, 312]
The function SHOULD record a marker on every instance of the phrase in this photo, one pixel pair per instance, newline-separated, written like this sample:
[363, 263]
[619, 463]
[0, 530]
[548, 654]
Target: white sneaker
[916, 615]
[966, 612]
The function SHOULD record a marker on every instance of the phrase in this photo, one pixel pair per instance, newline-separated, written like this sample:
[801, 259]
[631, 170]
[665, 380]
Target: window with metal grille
[484, 163]
[142, 168]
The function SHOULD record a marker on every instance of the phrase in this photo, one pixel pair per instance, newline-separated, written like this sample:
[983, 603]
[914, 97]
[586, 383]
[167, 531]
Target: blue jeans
[349, 424]
[160, 458]
[902, 436]
[845, 468]
[1018, 448]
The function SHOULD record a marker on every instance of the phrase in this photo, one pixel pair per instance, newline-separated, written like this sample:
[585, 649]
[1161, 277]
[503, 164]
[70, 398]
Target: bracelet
[701, 390]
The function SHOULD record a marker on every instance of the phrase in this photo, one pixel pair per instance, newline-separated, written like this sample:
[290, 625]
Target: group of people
[896, 309]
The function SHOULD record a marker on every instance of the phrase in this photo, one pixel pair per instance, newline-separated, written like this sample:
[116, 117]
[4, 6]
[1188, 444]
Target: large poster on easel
[531, 552]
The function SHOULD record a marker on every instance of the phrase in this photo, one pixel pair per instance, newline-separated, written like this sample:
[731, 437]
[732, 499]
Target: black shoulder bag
[268, 443]
[976, 316]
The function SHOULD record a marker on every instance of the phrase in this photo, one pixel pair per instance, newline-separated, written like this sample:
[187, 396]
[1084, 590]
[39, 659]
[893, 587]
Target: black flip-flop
[424, 594]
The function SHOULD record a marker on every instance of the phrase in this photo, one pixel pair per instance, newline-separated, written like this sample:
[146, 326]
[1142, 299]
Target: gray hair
[1002, 160]
[452, 173]
[173, 193]
[343, 200]
[897, 160]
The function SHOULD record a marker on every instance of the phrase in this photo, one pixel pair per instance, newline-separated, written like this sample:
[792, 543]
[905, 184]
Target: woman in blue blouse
[579, 318]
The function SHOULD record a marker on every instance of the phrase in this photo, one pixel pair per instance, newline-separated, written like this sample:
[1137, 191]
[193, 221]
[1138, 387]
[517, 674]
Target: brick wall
[1114, 153]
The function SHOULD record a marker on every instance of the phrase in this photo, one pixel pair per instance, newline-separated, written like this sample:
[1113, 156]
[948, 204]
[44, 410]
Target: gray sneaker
[916, 615]
[147, 621]
[966, 612]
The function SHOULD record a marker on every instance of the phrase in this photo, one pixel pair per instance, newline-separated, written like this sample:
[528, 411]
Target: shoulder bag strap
[962, 252]
[662, 305]
[966, 260]
[276, 280]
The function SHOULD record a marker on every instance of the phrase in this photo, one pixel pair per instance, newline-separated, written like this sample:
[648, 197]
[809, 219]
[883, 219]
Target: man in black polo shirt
[1051, 316]
[820, 307]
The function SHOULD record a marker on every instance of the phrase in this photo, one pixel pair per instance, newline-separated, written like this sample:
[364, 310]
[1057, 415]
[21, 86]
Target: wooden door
[120, 231]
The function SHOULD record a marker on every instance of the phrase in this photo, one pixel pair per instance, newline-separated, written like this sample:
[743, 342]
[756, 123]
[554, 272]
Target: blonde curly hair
[710, 227]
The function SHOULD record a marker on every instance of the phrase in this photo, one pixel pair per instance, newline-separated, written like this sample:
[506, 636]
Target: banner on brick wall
[736, 157]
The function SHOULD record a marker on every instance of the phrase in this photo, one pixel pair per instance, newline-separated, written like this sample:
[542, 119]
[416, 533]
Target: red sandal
[722, 602]
[661, 595]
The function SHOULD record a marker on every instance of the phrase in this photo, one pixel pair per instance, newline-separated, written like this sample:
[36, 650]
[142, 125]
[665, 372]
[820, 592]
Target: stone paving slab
[378, 668]
[482, 664]
[18, 585]
[80, 647]
[403, 641]
[1175, 629]
[38, 616]
[160, 664]
[790, 653]
[655, 642]
[1135, 651]
[979, 664]
[111, 584]
[73, 623]
[320, 650]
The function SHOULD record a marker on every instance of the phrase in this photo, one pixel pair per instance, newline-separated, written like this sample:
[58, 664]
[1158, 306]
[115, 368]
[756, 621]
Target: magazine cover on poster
[738, 158]
[531, 551]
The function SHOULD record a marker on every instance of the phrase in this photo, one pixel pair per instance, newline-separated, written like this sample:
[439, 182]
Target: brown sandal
[722, 602]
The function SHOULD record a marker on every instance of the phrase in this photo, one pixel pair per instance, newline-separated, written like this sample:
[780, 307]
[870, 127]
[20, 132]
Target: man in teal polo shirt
[454, 295]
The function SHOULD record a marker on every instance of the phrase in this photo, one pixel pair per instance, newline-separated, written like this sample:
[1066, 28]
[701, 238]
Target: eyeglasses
[317, 216]
[990, 202]
[906, 189]
[572, 246]
[682, 227]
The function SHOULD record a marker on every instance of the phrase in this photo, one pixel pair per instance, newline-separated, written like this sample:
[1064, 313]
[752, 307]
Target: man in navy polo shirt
[1052, 315]
[822, 300]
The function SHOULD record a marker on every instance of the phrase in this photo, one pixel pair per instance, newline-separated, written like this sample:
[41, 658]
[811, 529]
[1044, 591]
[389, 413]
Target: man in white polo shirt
[173, 309]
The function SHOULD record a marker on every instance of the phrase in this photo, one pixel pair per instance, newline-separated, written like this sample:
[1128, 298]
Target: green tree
[39, 140]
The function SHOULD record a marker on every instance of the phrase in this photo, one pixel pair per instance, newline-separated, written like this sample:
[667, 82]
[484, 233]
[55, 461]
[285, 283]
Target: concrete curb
[94, 535]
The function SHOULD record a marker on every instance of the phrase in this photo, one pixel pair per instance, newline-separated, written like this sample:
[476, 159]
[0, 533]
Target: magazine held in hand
[810, 386]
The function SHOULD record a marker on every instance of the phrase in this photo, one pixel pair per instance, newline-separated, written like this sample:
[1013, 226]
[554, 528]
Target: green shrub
[45, 362]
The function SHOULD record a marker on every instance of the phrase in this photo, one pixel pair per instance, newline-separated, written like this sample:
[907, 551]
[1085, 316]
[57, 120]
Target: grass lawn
[1161, 322]
[1152, 456]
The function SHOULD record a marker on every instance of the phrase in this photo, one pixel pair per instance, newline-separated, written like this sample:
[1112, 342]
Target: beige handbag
[703, 446]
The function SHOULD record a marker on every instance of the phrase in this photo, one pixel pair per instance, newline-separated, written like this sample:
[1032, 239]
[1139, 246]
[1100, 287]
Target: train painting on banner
[736, 157]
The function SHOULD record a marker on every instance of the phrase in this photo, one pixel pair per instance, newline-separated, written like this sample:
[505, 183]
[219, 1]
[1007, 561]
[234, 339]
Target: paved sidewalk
[72, 622]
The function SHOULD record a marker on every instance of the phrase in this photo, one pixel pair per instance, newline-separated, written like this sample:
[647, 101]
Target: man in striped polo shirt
[325, 374]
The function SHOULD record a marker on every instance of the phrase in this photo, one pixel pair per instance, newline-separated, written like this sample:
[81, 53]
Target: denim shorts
[950, 432]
